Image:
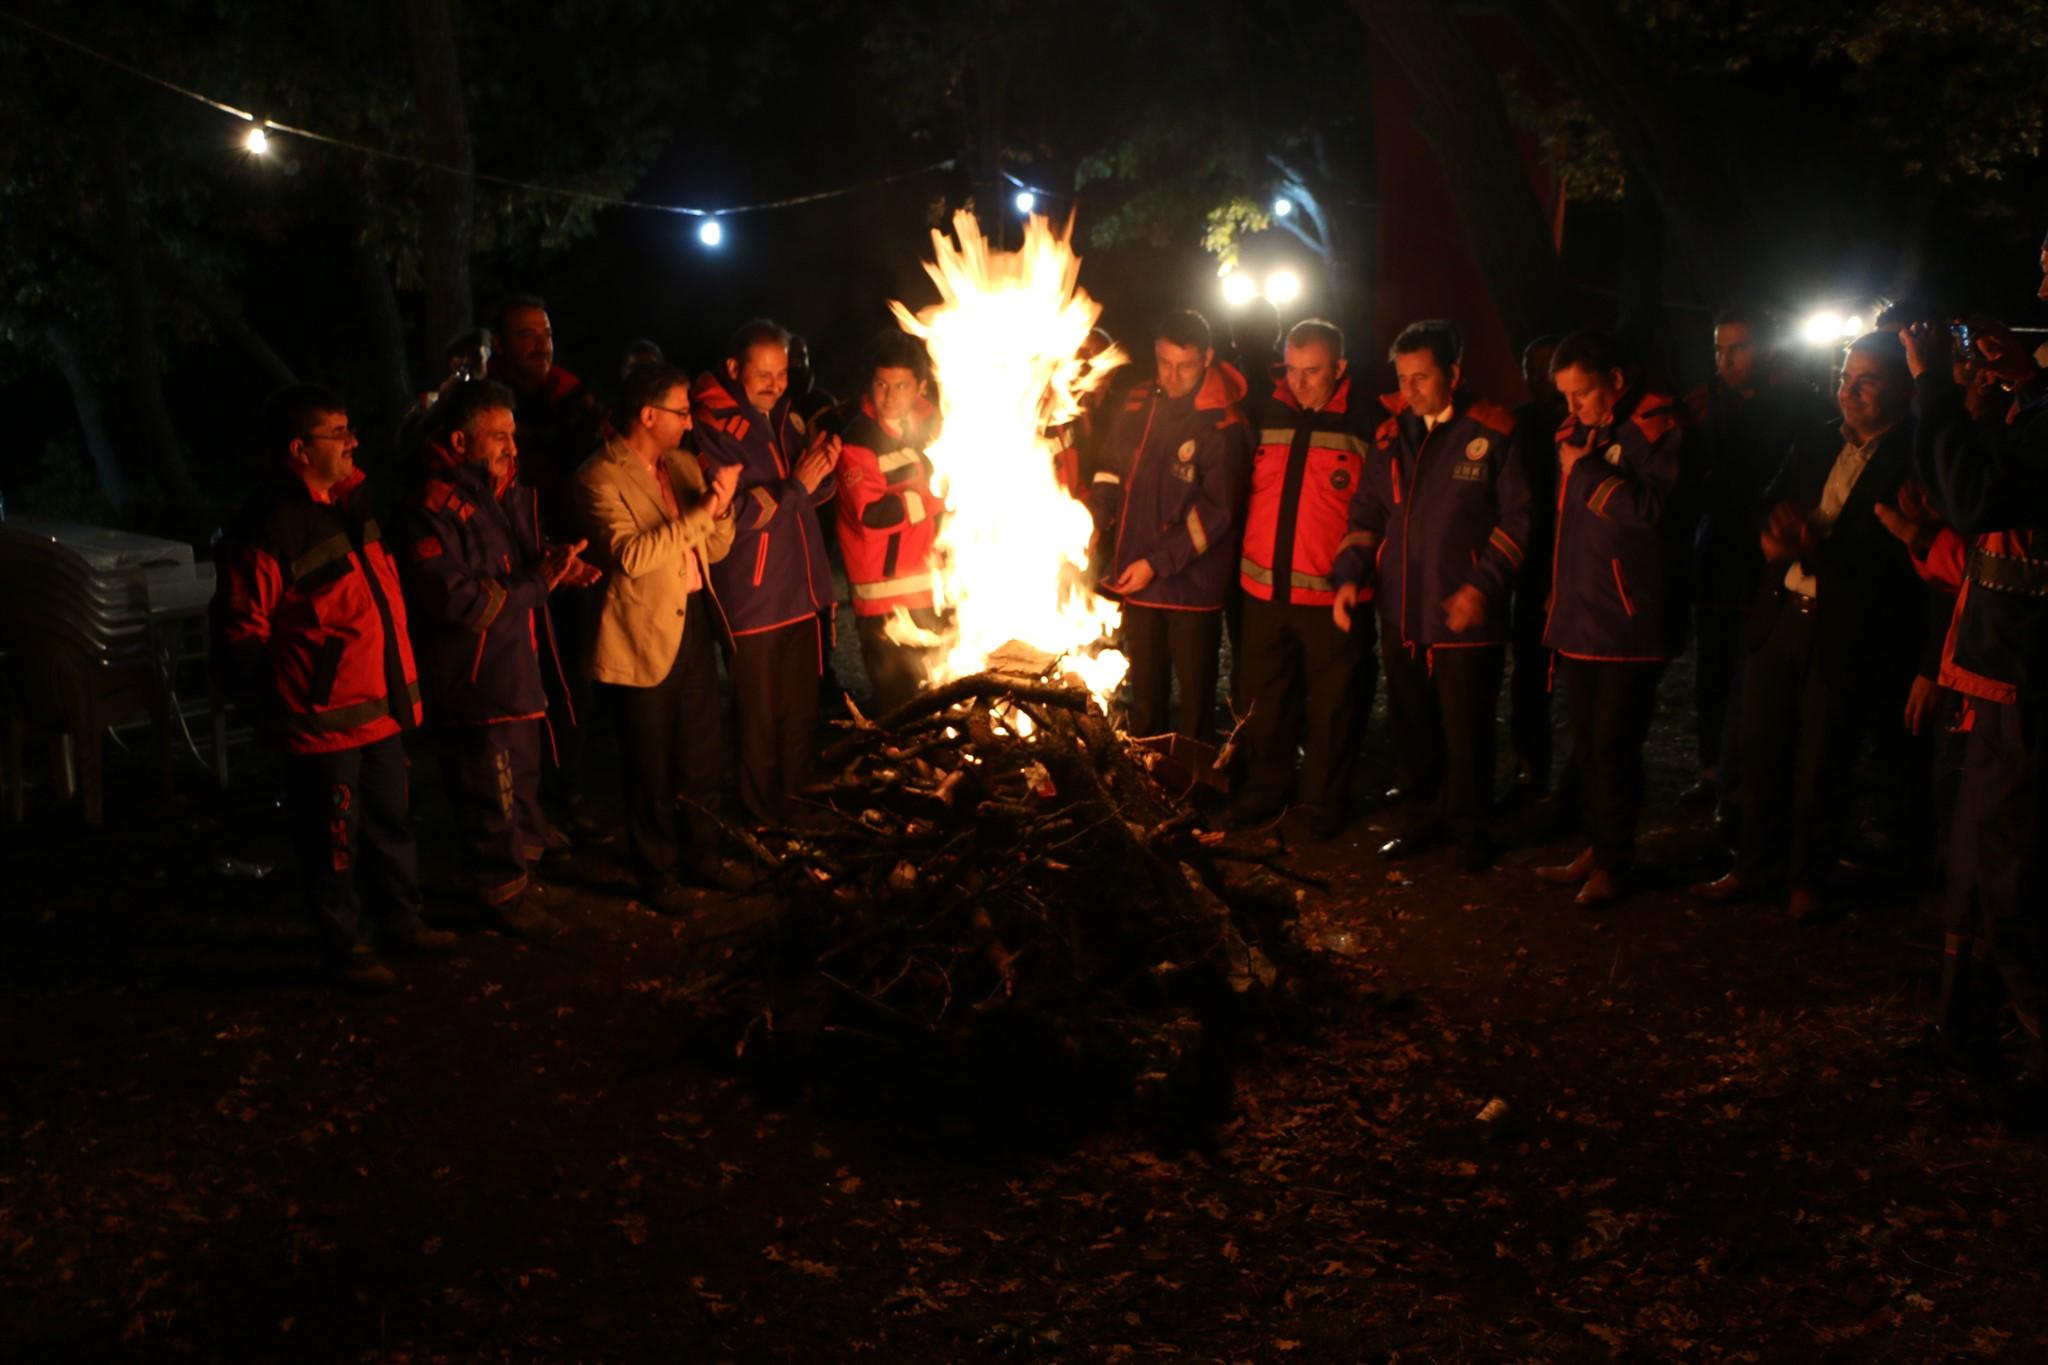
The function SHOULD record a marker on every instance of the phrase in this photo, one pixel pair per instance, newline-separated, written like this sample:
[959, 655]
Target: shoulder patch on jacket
[1656, 416]
[1492, 416]
[428, 548]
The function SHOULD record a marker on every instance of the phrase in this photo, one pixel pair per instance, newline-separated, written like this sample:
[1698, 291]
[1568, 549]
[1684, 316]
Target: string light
[1239, 289]
[257, 140]
[710, 233]
[1283, 286]
[1282, 207]
[1026, 201]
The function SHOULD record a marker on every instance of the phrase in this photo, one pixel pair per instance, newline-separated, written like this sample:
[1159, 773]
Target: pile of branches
[992, 886]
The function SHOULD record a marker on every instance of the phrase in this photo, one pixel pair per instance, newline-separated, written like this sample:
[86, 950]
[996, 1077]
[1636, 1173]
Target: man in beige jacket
[655, 527]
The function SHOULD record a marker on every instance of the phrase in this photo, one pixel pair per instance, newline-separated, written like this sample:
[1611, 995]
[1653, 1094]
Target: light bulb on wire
[710, 233]
[256, 140]
[1026, 201]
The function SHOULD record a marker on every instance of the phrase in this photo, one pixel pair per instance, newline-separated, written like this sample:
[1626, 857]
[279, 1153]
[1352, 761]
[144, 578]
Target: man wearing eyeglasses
[656, 525]
[309, 634]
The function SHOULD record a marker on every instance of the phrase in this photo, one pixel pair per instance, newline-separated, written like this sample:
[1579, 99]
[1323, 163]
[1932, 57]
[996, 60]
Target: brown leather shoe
[1571, 873]
[1727, 887]
[1805, 906]
[1602, 889]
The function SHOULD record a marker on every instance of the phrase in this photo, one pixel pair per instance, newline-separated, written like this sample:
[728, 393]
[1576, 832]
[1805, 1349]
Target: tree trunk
[142, 361]
[91, 410]
[450, 207]
[394, 394]
[1460, 108]
[1654, 117]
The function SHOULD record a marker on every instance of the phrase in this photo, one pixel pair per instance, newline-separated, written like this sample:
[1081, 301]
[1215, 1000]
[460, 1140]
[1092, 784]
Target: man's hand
[1927, 347]
[1136, 577]
[582, 574]
[1913, 521]
[1920, 704]
[1569, 455]
[1998, 350]
[1788, 535]
[818, 461]
[1340, 608]
[1464, 609]
[558, 560]
[723, 484]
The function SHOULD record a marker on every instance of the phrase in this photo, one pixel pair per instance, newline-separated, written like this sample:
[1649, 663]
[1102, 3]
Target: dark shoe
[1602, 889]
[360, 973]
[1727, 887]
[1805, 906]
[420, 942]
[1325, 823]
[524, 919]
[1476, 853]
[668, 897]
[1571, 873]
[1407, 846]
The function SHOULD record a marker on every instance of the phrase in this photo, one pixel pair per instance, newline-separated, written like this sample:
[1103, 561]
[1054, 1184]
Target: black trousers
[670, 744]
[1168, 647]
[1717, 672]
[1995, 896]
[775, 704]
[1529, 723]
[1800, 737]
[351, 833]
[492, 775]
[572, 614]
[1440, 706]
[1298, 677]
[895, 671]
[1609, 704]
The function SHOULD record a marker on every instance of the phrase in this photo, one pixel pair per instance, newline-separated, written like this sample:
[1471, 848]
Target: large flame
[1013, 549]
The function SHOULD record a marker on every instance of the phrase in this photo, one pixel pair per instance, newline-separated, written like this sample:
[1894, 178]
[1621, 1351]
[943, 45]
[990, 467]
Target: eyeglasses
[680, 412]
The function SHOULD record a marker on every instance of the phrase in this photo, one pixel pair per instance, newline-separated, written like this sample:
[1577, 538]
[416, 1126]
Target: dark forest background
[1631, 164]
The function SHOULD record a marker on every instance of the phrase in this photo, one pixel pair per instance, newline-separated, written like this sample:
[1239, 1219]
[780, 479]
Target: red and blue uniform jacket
[1172, 481]
[1438, 510]
[308, 620]
[560, 423]
[888, 513]
[1989, 479]
[1609, 562]
[777, 573]
[1308, 468]
[470, 559]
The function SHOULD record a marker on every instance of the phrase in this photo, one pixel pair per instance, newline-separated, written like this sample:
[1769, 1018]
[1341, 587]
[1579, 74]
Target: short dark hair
[511, 304]
[1759, 319]
[1887, 350]
[1310, 331]
[645, 347]
[290, 412]
[898, 351]
[1187, 328]
[646, 385]
[459, 406]
[1594, 352]
[1434, 335]
[470, 340]
[757, 332]
[1548, 341]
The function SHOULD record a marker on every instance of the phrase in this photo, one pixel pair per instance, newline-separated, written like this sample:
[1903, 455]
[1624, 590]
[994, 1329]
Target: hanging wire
[427, 164]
